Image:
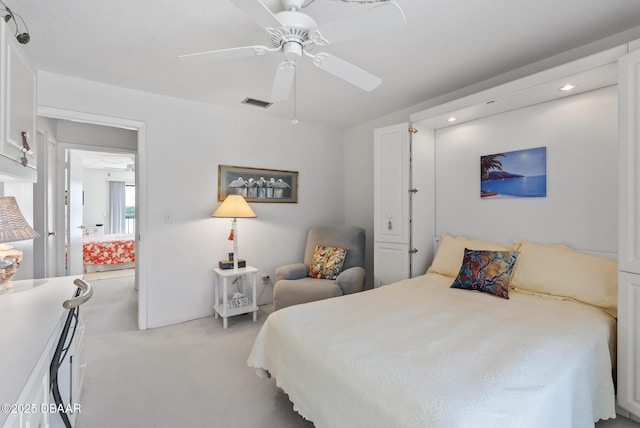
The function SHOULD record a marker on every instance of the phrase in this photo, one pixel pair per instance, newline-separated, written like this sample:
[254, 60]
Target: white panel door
[52, 209]
[391, 263]
[629, 234]
[75, 227]
[391, 184]
[629, 342]
[629, 163]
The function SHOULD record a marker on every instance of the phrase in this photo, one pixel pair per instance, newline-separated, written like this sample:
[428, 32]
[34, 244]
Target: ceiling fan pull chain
[295, 94]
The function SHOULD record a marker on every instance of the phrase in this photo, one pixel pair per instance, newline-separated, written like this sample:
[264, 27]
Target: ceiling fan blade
[380, 18]
[224, 54]
[346, 71]
[259, 12]
[283, 81]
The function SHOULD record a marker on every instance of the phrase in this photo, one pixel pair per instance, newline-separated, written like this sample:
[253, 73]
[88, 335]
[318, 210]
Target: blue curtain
[116, 207]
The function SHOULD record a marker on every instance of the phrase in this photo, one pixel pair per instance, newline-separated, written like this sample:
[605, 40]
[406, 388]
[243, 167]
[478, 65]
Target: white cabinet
[629, 234]
[391, 159]
[18, 110]
[403, 202]
[391, 183]
[391, 262]
[35, 396]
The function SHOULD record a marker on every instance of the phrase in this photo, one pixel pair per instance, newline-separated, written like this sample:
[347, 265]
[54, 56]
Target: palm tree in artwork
[488, 163]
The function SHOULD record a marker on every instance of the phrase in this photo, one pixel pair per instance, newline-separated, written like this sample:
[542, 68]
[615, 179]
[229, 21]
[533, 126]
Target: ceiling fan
[295, 34]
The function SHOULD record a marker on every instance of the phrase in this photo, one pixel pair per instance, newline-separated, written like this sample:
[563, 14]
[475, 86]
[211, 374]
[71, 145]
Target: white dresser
[31, 320]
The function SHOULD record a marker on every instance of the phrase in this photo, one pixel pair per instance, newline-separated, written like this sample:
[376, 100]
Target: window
[130, 208]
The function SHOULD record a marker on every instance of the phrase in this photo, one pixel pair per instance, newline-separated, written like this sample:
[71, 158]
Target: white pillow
[448, 259]
[562, 272]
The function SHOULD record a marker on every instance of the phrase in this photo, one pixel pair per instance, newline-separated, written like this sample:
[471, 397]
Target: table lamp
[13, 227]
[234, 206]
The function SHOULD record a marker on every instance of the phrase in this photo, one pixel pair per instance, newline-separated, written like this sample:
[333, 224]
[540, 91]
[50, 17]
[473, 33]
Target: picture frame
[258, 184]
[515, 174]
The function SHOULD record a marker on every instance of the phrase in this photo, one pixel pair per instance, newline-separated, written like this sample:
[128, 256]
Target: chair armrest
[292, 271]
[351, 280]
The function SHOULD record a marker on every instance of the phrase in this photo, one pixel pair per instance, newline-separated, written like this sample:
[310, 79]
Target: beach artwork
[518, 174]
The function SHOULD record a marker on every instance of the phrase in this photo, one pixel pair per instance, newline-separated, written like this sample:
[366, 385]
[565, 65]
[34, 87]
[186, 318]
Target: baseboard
[627, 414]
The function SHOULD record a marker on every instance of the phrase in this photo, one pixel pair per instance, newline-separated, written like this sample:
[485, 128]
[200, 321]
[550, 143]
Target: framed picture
[518, 174]
[258, 185]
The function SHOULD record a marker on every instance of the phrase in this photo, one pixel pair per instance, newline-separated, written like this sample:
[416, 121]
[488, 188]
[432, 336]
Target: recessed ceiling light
[567, 87]
[452, 119]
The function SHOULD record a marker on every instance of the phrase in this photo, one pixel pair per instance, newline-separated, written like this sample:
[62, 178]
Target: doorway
[139, 166]
[100, 191]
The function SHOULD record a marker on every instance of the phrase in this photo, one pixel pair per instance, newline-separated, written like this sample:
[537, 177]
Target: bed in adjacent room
[108, 252]
[420, 353]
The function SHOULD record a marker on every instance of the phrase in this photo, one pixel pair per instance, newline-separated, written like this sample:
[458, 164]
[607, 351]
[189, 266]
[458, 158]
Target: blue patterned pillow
[486, 271]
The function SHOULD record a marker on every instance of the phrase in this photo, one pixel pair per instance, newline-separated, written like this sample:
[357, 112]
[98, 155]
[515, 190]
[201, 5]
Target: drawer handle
[25, 148]
[83, 297]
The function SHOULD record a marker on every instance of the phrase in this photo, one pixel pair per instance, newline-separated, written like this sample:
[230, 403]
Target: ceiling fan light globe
[292, 50]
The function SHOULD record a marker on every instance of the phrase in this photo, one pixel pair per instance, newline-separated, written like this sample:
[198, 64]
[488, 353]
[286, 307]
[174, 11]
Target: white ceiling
[445, 45]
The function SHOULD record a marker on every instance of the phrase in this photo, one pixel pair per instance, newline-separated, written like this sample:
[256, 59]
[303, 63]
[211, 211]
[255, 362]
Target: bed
[108, 252]
[419, 353]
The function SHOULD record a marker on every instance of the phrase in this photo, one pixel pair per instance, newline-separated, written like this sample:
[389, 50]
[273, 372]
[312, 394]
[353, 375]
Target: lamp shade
[13, 226]
[234, 206]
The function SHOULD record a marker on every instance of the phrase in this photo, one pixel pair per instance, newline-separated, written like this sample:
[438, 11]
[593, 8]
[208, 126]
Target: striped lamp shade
[13, 226]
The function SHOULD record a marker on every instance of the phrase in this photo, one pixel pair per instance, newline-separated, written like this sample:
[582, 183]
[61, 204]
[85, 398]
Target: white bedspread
[419, 354]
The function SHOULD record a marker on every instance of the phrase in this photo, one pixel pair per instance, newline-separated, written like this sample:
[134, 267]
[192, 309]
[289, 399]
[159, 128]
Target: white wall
[581, 135]
[96, 135]
[580, 209]
[185, 143]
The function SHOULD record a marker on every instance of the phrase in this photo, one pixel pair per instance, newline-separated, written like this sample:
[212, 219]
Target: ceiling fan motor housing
[294, 33]
[296, 20]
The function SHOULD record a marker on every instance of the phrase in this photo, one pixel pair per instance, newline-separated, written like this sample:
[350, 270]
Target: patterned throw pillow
[327, 262]
[486, 271]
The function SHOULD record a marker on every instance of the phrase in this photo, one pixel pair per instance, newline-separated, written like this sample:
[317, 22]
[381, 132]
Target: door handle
[52, 233]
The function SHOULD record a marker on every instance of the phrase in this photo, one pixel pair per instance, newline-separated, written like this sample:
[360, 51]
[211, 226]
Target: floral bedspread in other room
[108, 249]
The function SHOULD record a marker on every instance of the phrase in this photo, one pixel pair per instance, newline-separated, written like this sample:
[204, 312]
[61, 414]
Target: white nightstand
[227, 276]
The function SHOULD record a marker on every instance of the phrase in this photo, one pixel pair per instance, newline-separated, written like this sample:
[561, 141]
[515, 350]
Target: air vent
[257, 103]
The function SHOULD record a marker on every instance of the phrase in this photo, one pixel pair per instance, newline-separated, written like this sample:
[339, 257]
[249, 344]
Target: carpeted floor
[118, 273]
[192, 374]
